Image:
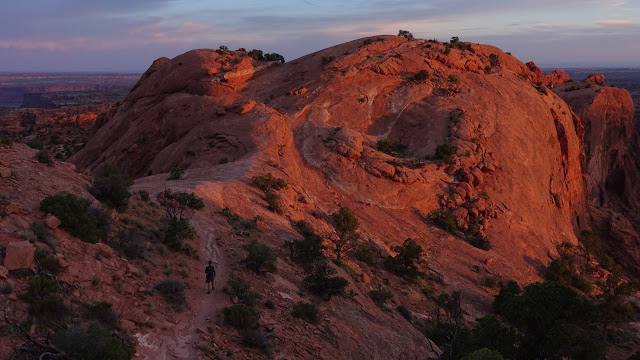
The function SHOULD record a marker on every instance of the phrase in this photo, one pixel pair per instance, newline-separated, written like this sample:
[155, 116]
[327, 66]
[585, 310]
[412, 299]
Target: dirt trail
[179, 341]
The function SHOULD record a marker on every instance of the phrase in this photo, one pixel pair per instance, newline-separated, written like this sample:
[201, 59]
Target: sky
[127, 35]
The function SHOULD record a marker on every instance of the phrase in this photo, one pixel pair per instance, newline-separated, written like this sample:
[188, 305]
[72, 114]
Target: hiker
[211, 274]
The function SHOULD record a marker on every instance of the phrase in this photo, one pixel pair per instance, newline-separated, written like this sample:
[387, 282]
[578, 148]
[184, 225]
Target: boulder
[19, 255]
[52, 221]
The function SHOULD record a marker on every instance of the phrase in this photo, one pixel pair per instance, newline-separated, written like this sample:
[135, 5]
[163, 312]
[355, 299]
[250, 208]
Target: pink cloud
[613, 22]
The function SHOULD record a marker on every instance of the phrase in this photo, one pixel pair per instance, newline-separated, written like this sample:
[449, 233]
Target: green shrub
[326, 60]
[364, 254]
[256, 54]
[111, 187]
[75, 216]
[242, 226]
[406, 259]
[444, 219]
[46, 260]
[241, 316]
[266, 182]
[308, 250]
[237, 286]
[269, 304]
[41, 231]
[176, 173]
[35, 143]
[144, 195]
[346, 224]
[381, 296]
[305, 228]
[104, 313]
[44, 302]
[131, 243]
[406, 313]
[392, 148]
[305, 311]
[92, 343]
[445, 152]
[556, 320]
[27, 235]
[173, 291]
[175, 231]
[256, 339]
[273, 201]
[421, 75]
[405, 34]
[323, 284]
[494, 60]
[542, 89]
[274, 57]
[44, 157]
[260, 257]
[453, 78]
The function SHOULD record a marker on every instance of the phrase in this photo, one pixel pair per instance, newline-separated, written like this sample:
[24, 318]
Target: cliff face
[612, 167]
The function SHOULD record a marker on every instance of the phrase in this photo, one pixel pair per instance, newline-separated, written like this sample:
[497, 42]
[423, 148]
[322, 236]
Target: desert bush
[176, 173]
[144, 195]
[269, 304]
[35, 143]
[380, 296]
[267, 182]
[41, 231]
[346, 224]
[421, 75]
[555, 320]
[323, 284]
[46, 260]
[260, 257]
[304, 228]
[308, 250]
[274, 57]
[27, 235]
[241, 316]
[131, 243]
[453, 78]
[273, 201]
[237, 286]
[256, 54]
[173, 291]
[74, 214]
[364, 254]
[494, 60]
[392, 148]
[44, 157]
[326, 60]
[242, 226]
[405, 34]
[92, 343]
[305, 311]
[111, 187]
[44, 302]
[445, 152]
[405, 262]
[445, 219]
[256, 339]
[406, 313]
[104, 313]
[176, 230]
[542, 89]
